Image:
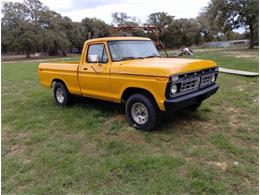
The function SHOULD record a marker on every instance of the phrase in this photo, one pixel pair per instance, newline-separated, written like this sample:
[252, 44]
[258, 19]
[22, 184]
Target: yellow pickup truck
[130, 70]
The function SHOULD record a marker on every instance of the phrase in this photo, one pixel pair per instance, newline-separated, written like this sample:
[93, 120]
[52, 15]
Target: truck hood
[163, 66]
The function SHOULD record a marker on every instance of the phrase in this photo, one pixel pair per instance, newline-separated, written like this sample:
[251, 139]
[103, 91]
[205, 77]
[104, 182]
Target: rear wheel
[61, 94]
[142, 112]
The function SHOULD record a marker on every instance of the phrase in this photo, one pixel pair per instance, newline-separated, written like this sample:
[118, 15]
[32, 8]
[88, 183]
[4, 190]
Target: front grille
[206, 79]
[190, 84]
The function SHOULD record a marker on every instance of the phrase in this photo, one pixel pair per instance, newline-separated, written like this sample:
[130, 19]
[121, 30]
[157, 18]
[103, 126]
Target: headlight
[173, 89]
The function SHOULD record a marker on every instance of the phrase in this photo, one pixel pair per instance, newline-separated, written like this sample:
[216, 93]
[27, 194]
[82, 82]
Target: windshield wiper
[152, 56]
[131, 58]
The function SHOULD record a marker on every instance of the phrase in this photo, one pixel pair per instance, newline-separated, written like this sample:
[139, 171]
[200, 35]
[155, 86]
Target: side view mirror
[99, 61]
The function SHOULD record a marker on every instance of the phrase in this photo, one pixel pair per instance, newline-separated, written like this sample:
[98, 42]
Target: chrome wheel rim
[139, 113]
[60, 95]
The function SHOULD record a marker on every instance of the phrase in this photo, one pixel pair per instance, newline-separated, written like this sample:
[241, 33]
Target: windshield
[126, 50]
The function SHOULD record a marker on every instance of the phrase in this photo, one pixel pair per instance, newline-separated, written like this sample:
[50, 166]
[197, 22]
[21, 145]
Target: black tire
[67, 97]
[194, 107]
[154, 114]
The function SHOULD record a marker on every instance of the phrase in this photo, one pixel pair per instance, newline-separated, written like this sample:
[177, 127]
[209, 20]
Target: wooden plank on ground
[238, 72]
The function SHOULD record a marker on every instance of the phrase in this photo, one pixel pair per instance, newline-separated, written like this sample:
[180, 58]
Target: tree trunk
[28, 54]
[251, 36]
[63, 52]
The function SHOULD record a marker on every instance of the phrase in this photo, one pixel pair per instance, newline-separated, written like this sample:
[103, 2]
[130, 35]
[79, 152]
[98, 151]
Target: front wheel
[142, 112]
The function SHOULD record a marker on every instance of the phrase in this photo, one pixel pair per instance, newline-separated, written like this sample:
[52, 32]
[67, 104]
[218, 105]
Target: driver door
[94, 77]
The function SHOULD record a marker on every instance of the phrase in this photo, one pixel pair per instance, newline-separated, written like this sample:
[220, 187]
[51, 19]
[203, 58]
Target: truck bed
[64, 71]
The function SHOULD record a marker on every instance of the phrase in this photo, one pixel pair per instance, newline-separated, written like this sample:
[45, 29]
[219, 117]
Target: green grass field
[89, 147]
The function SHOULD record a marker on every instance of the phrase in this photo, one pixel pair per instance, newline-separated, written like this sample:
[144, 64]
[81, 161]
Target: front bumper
[189, 99]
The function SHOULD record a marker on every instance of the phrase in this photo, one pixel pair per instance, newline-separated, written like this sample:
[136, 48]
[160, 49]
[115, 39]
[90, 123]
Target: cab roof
[118, 39]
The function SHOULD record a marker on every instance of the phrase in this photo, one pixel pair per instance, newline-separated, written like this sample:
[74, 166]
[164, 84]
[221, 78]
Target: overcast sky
[103, 9]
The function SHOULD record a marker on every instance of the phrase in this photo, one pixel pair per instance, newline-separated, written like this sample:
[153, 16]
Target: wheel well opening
[55, 81]
[130, 91]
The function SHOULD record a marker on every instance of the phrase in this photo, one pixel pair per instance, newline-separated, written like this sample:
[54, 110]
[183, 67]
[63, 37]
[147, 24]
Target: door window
[97, 53]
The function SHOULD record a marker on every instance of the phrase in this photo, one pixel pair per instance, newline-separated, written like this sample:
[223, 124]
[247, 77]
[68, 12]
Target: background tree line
[32, 27]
